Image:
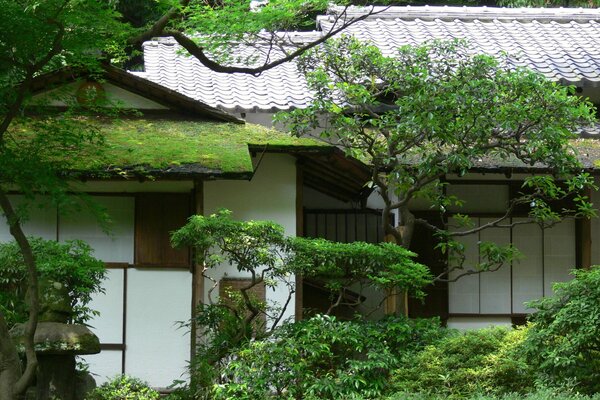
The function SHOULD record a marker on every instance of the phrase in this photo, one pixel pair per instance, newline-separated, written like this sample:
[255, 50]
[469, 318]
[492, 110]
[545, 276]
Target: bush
[69, 264]
[123, 387]
[324, 358]
[463, 364]
[564, 341]
[542, 394]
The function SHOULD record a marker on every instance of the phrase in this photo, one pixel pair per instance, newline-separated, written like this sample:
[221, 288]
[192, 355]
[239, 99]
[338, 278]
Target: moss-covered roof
[185, 147]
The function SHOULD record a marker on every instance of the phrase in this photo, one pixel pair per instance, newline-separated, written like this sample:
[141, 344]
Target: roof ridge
[463, 13]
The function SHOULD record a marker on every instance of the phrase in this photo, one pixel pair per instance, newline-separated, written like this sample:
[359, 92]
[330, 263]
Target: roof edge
[464, 13]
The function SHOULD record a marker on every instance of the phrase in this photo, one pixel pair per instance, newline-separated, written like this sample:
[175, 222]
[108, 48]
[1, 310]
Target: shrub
[463, 364]
[541, 394]
[123, 387]
[70, 264]
[324, 358]
[564, 341]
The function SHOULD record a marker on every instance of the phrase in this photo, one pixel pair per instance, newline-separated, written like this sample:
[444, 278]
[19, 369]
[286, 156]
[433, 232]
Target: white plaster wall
[463, 294]
[495, 286]
[559, 254]
[105, 365]
[270, 195]
[108, 326]
[119, 97]
[528, 271]
[125, 99]
[40, 218]
[157, 349]
[475, 322]
[116, 245]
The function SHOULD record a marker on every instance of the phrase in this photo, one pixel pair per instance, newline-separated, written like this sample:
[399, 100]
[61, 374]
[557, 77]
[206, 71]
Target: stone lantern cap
[55, 338]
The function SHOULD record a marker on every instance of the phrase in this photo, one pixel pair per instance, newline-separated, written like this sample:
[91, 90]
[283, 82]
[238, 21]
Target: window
[156, 216]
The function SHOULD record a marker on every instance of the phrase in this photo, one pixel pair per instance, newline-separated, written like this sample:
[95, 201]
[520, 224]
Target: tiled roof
[277, 89]
[563, 44]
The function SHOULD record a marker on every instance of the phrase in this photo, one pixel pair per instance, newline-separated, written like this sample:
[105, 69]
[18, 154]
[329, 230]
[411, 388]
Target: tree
[261, 251]
[38, 37]
[207, 30]
[43, 36]
[439, 109]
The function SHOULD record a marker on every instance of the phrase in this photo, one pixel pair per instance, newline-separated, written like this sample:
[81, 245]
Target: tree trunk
[20, 382]
[10, 368]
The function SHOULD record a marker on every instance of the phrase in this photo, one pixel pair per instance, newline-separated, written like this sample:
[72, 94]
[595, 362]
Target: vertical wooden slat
[583, 235]
[300, 233]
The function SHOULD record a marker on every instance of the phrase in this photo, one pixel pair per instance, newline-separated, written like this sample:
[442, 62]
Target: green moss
[162, 143]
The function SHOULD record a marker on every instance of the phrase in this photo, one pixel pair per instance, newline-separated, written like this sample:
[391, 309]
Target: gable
[116, 96]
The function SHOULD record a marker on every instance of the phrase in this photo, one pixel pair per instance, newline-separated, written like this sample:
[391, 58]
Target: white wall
[270, 195]
[108, 326]
[465, 323]
[40, 218]
[548, 256]
[157, 349]
[118, 97]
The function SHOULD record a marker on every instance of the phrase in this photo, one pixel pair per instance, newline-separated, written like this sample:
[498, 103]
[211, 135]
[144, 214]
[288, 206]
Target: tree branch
[198, 52]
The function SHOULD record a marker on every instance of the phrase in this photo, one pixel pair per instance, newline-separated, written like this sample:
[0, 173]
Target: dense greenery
[68, 264]
[485, 361]
[425, 112]
[48, 35]
[261, 251]
[123, 387]
[564, 343]
[323, 358]
[554, 357]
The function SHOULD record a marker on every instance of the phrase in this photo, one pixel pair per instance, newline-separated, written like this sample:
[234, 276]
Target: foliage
[123, 387]
[440, 109]
[540, 394]
[261, 251]
[69, 263]
[464, 364]
[383, 266]
[564, 341]
[323, 358]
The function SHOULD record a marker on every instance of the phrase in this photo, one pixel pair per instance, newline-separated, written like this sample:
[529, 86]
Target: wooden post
[299, 232]
[583, 237]
[395, 303]
[197, 278]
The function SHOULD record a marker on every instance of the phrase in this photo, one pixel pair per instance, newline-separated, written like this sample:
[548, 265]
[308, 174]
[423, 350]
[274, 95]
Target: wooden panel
[423, 243]
[157, 215]
[228, 286]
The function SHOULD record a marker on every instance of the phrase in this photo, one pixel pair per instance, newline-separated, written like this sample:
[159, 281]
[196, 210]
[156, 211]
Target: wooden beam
[197, 278]
[299, 299]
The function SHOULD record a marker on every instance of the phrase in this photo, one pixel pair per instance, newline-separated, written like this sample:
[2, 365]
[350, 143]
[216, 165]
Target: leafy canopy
[425, 112]
[564, 340]
[260, 251]
[69, 264]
